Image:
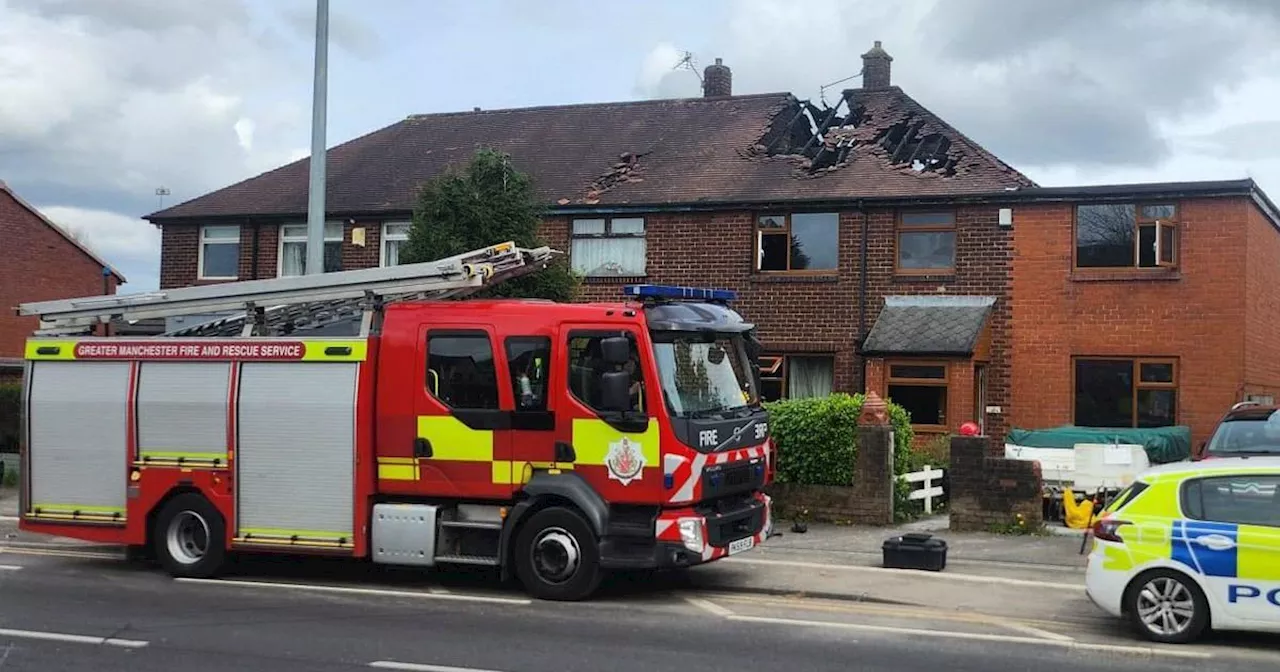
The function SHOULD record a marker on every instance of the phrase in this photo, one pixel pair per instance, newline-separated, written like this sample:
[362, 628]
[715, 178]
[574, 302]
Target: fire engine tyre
[188, 537]
[557, 557]
[1166, 607]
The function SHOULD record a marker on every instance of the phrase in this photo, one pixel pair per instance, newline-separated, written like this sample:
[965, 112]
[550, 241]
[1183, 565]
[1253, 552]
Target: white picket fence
[927, 491]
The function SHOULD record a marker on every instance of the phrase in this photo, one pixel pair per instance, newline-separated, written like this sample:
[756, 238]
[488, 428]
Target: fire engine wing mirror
[615, 391]
[616, 350]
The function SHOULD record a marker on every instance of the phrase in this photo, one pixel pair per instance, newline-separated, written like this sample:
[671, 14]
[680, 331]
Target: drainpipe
[862, 295]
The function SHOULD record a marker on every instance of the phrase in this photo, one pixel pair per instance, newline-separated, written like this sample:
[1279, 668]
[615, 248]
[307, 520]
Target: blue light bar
[677, 292]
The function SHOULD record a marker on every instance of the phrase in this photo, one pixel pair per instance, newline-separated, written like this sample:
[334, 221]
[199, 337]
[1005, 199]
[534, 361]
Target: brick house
[873, 243]
[39, 261]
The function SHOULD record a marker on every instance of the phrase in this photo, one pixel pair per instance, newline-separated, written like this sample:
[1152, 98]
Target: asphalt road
[82, 610]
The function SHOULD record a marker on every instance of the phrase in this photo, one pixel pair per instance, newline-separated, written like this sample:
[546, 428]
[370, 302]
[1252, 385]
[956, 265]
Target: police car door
[1234, 541]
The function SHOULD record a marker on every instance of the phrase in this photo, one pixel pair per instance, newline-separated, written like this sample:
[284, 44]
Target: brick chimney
[875, 68]
[717, 80]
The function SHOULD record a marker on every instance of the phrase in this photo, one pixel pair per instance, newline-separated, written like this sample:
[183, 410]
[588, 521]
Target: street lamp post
[315, 192]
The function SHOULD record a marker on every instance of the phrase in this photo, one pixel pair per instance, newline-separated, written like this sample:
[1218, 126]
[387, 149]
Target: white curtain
[809, 377]
[393, 252]
[293, 259]
[608, 256]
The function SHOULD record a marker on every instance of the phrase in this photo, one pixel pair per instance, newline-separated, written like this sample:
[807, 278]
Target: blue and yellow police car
[1190, 546]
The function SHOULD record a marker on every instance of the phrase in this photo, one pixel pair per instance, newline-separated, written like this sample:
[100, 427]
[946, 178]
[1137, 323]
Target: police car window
[460, 370]
[1243, 499]
[529, 359]
[586, 364]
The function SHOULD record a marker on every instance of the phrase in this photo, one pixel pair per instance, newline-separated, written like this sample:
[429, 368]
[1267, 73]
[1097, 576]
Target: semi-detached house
[875, 245]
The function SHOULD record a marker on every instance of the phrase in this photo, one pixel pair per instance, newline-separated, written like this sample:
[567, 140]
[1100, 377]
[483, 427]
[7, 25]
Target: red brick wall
[1195, 314]
[1262, 307]
[37, 264]
[795, 314]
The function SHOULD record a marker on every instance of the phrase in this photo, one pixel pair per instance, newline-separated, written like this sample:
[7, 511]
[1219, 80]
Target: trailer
[371, 414]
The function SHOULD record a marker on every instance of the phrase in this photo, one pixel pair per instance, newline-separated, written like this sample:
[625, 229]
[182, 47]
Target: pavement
[811, 601]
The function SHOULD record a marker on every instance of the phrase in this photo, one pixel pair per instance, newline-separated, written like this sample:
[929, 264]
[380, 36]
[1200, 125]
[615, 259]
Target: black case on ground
[915, 551]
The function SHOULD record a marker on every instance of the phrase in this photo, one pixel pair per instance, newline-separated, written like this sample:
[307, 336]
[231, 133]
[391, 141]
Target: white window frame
[329, 237]
[609, 234]
[385, 238]
[204, 240]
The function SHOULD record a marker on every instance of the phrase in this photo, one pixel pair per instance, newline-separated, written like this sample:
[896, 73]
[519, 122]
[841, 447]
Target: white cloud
[118, 98]
[129, 244]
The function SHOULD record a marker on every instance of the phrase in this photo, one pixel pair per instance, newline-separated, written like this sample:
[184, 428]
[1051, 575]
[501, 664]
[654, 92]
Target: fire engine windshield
[704, 376]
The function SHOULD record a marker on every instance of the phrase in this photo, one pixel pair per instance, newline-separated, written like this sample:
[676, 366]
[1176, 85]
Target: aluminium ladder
[278, 306]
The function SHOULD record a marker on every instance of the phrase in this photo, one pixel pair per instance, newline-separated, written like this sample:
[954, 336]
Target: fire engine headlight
[691, 534]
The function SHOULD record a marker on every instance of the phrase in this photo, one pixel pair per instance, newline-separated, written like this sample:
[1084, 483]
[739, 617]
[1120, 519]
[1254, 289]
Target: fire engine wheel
[188, 537]
[557, 557]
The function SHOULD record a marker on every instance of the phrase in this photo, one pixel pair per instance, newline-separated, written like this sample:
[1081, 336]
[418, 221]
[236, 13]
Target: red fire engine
[362, 414]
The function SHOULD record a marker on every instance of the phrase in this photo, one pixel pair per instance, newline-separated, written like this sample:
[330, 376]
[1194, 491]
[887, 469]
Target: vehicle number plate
[741, 545]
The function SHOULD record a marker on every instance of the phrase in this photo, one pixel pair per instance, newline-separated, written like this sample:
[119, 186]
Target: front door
[463, 438]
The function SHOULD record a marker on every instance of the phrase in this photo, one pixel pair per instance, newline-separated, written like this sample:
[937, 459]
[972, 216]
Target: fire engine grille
[727, 479]
[730, 527]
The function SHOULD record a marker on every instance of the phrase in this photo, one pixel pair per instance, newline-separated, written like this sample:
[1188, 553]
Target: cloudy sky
[106, 100]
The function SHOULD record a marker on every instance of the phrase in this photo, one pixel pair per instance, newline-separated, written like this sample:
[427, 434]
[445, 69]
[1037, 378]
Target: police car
[1192, 545]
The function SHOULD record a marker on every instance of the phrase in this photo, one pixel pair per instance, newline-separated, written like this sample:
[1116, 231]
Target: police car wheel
[188, 537]
[556, 556]
[1167, 607]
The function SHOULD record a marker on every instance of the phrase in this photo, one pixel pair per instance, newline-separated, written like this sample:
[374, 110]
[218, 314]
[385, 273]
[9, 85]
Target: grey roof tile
[928, 325]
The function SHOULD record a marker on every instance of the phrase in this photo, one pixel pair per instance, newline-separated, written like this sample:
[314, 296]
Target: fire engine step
[471, 524]
[468, 560]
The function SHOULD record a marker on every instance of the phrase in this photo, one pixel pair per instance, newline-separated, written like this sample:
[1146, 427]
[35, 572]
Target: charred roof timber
[717, 80]
[876, 121]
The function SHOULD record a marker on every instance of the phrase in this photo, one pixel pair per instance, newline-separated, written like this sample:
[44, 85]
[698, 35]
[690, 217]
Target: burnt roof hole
[905, 145]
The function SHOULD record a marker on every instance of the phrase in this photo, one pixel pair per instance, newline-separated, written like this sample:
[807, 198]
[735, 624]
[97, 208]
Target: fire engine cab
[366, 414]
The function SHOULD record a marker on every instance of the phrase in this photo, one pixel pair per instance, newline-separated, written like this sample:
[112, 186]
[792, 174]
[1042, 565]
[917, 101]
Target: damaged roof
[928, 325]
[749, 148]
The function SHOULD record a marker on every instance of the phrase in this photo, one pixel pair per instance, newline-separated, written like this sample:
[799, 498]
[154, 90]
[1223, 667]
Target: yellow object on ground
[1077, 515]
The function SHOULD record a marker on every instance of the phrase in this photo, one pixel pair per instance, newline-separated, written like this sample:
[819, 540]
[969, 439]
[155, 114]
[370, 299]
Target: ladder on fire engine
[280, 306]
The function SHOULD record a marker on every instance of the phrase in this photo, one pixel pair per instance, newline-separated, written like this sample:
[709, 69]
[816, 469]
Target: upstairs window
[293, 248]
[1112, 392]
[394, 237]
[219, 252]
[1125, 235]
[926, 242]
[808, 241]
[608, 247]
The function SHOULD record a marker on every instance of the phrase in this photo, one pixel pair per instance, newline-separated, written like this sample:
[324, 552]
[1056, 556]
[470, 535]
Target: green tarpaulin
[1163, 444]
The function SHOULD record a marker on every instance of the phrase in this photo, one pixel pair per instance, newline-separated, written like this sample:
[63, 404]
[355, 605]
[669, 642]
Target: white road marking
[439, 591]
[10, 568]
[1008, 639]
[59, 553]
[418, 667]
[946, 576]
[708, 606]
[357, 591]
[8, 519]
[75, 639]
[1032, 630]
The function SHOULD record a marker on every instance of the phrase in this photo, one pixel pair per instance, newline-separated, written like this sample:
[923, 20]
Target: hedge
[817, 438]
[10, 406]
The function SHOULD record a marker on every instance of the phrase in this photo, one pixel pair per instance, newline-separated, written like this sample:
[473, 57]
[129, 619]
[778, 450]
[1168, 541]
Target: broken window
[795, 376]
[608, 247]
[1125, 235]
[926, 242]
[798, 242]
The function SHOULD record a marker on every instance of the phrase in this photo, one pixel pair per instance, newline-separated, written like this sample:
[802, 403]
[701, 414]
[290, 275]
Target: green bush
[817, 438]
[10, 420]
[10, 479]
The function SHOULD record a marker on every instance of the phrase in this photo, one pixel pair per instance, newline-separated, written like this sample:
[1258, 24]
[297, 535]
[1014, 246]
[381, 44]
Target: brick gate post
[873, 465]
